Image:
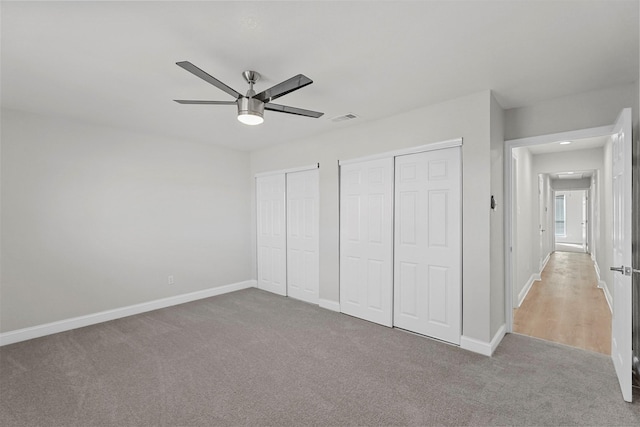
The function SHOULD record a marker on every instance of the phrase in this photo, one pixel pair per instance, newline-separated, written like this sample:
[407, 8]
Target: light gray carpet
[253, 358]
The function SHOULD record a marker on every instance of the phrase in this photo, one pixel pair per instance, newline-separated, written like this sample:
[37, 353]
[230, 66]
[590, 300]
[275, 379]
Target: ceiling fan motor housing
[251, 106]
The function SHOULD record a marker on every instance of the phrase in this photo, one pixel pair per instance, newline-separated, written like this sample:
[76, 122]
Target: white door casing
[302, 235]
[542, 226]
[621, 322]
[585, 220]
[366, 240]
[271, 233]
[513, 243]
[428, 244]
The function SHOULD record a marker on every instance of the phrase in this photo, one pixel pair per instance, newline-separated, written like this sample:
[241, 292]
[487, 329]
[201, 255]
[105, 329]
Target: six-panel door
[366, 240]
[271, 238]
[302, 235]
[427, 254]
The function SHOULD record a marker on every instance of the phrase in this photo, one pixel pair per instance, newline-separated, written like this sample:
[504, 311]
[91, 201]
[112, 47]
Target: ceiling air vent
[344, 117]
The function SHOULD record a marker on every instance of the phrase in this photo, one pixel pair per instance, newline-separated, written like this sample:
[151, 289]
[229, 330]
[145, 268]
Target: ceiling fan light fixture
[250, 119]
[250, 111]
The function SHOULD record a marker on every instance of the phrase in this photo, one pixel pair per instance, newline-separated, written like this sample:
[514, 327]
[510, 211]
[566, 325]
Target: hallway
[566, 306]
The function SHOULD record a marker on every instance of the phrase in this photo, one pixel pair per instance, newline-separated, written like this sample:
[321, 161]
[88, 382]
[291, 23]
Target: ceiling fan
[251, 106]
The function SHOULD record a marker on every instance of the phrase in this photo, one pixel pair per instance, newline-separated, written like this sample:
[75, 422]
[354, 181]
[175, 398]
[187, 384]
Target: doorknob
[624, 270]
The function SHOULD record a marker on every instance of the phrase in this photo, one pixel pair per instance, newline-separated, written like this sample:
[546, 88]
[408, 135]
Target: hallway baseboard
[544, 263]
[603, 285]
[523, 293]
[607, 295]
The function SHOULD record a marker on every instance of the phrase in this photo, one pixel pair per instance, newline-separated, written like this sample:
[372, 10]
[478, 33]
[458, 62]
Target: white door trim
[286, 171]
[457, 142]
[509, 145]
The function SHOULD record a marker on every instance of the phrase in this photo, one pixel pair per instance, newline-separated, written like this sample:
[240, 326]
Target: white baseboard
[603, 285]
[481, 347]
[527, 287]
[475, 345]
[497, 338]
[544, 263]
[329, 305]
[104, 316]
[597, 267]
[607, 296]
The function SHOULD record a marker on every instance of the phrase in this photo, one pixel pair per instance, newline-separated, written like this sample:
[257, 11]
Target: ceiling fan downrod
[251, 77]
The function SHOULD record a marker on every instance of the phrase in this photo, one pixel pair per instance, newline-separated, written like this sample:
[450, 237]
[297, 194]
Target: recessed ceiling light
[565, 142]
[569, 173]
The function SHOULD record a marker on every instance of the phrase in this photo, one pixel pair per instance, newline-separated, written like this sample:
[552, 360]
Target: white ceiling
[578, 144]
[572, 175]
[113, 63]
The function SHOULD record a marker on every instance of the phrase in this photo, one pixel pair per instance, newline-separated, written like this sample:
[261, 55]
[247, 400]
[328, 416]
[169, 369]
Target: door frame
[584, 203]
[509, 145]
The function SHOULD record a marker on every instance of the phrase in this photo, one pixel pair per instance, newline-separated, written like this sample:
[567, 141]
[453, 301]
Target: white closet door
[366, 240]
[271, 239]
[427, 266]
[302, 235]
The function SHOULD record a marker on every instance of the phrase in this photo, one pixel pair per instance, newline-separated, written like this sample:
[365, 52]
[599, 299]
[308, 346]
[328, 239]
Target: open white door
[621, 351]
[271, 239]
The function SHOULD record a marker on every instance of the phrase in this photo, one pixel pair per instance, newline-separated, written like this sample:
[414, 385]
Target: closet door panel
[271, 230]
[428, 244]
[302, 235]
[366, 240]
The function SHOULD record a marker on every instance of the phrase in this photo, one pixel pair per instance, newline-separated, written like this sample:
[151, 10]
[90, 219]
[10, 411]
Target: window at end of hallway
[561, 229]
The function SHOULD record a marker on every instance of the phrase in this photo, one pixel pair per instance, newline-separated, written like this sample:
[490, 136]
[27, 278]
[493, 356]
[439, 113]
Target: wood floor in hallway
[567, 306]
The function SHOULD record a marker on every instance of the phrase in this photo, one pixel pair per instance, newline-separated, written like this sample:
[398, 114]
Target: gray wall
[497, 217]
[582, 111]
[95, 218]
[467, 117]
[571, 184]
[525, 223]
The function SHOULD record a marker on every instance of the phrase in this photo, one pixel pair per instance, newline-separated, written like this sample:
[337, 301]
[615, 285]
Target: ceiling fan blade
[187, 101]
[208, 78]
[281, 89]
[292, 110]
